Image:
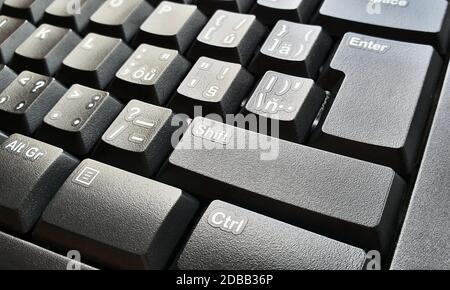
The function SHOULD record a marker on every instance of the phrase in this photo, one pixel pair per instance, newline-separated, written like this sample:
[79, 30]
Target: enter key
[383, 91]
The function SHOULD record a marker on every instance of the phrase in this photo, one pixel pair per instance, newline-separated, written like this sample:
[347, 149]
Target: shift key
[347, 199]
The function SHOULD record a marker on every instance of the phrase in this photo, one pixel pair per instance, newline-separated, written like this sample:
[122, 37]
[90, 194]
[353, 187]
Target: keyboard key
[26, 101]
[210, 6]
[79, 119]
[269, 12]
[32, 10]
[380, 109]
[18, 254]
[228, 36]
[217, 87]
[172, 26]
[232, 238]
[7, 76]
[139, 140]
[71, 14]
[151, 74]
[290, 101]
[291, 48]
[44, 51]
[117, 219]
[94, 61]
[120, 18]
[32, 172]
[347, 199]
[423, 243]
[13, 32]
[421, 21]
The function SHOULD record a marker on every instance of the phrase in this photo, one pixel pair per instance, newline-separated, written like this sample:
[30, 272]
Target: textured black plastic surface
[380, 110]
[352, 200]
[232, 238]
[116, 218]
[32, 172]
[425, 239]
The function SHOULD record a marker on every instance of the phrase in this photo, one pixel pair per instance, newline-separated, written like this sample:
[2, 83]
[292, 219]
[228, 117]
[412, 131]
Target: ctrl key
[116, 219]
[32, 172]
[228, 237]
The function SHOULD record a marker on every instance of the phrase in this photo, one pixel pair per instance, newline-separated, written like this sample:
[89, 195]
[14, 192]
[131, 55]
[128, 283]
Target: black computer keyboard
[224, 134]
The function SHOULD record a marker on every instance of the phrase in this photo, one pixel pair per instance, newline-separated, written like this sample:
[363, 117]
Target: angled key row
[75, 214]
[387, 131]
[134, 231]
[120, 18]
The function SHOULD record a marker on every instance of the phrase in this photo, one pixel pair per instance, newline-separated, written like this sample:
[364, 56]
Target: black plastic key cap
[44, 50]
[116, 218]
[210, 6]
[32, 10]
[139, 140]
[228, 237]
[79, 119]
[215, 87]
[292, 48]
[120, 18]
[172, 25]
[71, 14]
[269, 12]
[228, 36]
[13, 32]
[7, 76]
[32, 173]
[25, 102]
[291, 101]
[351, 200]
[94, 61]
[151, 74]
[17, 254]
[423, 243]
[413, 21]
[381, 106]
